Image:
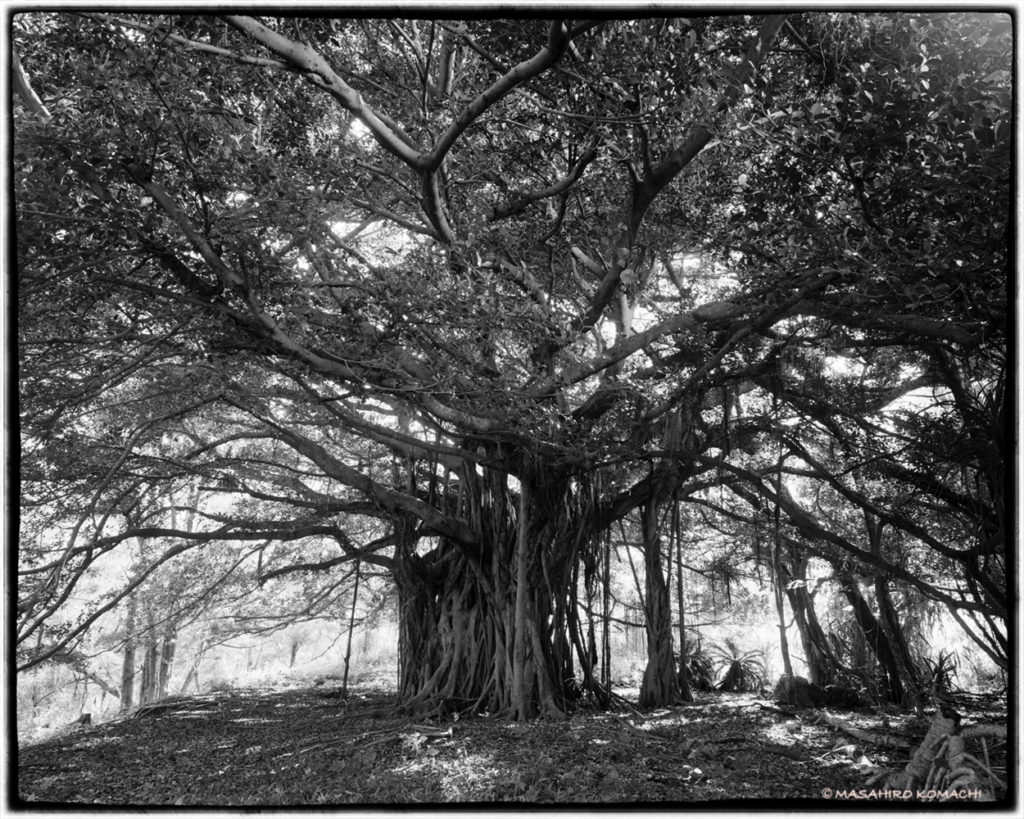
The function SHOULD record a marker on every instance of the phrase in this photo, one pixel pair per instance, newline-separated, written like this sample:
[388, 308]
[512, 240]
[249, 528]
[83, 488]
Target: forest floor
[310, 747]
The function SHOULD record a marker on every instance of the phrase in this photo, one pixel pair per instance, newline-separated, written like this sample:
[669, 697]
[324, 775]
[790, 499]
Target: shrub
[942, 670]
[220, 685]
[739, 670]
[700, 666]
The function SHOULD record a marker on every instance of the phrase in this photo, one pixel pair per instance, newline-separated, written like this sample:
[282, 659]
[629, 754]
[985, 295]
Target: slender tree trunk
[685, 694]
[192, 676]
[351, 628]
[661, 683]
[777, 577]
[150, 670]
[606, 614]
[167, 651]
[520, 694]
[128, 661]
[150, 661]
[780, 610]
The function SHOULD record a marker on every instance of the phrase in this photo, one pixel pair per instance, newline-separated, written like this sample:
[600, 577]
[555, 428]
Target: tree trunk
[351, 628]
[592, 561]
[128, 661]
[606, 617]
[889, 621]
[780, 611]
[192, 677]
[660, 684]
[147, 692]
[820, 639]
[820, 670]
[167, 649]
[685, 694]
[485, 628]
[520, 677]
[874, 635]
[150, 662]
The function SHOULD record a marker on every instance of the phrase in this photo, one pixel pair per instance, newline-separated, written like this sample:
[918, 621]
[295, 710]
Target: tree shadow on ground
[307, 747]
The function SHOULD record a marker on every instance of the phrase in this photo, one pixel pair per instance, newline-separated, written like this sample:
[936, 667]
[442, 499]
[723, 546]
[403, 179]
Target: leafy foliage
[738, 670]
[700, 669]
[942, 670]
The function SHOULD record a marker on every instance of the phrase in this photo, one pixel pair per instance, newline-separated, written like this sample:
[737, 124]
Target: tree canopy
[458, 297]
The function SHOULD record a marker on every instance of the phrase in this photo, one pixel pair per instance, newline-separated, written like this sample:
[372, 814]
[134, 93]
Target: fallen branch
[157, 707]
[430, 732]
[886, 740]
[346, 740]
[642, 733]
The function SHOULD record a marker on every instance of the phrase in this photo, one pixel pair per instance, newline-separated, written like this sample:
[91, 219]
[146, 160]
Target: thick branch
[645, 190]
[713, 312]
[524, 200]
[551, 53]
[322, 75]
[838, 308]
[885, 515]
[366, 555]
[388, 499]
[694, 142]
[24, 88]
[430, 201]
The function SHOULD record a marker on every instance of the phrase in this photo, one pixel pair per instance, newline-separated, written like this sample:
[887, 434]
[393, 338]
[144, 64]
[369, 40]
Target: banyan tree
[493, 285]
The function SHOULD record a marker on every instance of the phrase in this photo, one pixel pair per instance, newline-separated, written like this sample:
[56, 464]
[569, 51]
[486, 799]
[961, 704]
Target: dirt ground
[311, 747]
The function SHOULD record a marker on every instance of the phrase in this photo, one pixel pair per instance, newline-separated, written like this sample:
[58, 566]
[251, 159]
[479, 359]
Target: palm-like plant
[942, 670]
[740, 670]
[700, 666]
